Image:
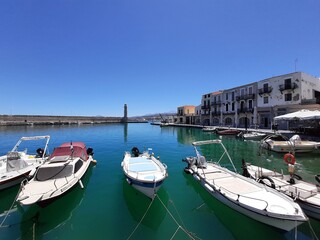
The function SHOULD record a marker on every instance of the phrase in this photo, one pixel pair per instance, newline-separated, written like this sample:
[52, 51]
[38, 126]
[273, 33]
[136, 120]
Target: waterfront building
[216, 118]
[255, 105]
[238, 106]
[186, 115]
[285, 94]
[205, 109]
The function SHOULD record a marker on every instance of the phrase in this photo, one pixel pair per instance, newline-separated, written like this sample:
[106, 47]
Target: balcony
[265, 90]
[245, 97]
[216, 103]
[205, 107]
[245, 110]
[216, 113]
[290, 86]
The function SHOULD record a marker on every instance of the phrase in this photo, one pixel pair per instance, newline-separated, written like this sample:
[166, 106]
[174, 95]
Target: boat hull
[147, 188]
[262, 216]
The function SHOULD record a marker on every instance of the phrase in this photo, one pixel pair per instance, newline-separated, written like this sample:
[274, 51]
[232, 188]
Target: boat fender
[81, 185]
[262, 180]
[289, 158]
[317, 177]
[296, 176]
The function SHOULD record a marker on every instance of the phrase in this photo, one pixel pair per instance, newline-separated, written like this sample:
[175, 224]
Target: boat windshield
[48, 173]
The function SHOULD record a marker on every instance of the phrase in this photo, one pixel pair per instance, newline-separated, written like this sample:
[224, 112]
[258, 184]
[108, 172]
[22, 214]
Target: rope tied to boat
[190, 234]
[14, 201]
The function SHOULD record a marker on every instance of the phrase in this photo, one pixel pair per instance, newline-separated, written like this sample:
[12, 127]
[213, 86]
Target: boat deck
[243, 191]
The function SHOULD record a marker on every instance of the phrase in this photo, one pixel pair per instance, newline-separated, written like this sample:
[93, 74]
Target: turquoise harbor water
[108, 208]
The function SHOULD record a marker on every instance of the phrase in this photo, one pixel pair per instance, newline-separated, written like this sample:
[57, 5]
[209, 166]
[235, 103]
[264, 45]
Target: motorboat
[228, 132]
[18, 164]
[306, 194]
[62, 171]
[243, 194]
[209, 129]
[143, 171]
[252, 135]
[281, 144]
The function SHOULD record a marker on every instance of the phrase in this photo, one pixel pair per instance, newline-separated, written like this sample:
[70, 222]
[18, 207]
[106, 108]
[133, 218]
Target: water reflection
[37, 222]
[138, 204]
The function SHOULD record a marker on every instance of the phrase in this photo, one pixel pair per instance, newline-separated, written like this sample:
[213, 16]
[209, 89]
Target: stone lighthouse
[125, 114]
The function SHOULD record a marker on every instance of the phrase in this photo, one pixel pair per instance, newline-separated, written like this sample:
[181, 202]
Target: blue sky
[76, 57]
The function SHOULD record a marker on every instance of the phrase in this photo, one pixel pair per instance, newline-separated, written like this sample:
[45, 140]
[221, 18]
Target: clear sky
[81, 57]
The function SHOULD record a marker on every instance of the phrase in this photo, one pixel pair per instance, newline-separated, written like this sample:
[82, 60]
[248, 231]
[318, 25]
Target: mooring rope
[141, 219]
[179, 226]
[8, 212]
[312, 230]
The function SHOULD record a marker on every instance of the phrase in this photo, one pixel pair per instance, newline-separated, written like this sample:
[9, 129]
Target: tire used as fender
[261, 180]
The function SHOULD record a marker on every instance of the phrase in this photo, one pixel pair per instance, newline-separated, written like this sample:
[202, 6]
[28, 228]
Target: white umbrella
[303, 114]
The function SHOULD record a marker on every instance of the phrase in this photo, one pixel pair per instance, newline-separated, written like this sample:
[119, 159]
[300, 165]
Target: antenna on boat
[71, 149]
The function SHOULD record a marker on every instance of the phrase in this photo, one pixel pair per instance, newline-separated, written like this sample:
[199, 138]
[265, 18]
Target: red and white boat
[62, 171]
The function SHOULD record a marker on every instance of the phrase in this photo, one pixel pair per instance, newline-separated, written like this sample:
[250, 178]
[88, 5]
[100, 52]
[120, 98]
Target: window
[232, 105]
[250, 104]
[232, 96]
[288, 97]
[227, 107]
[226, 96]
[265, 87]
[265, 100]
[78, 165]
[250, 90]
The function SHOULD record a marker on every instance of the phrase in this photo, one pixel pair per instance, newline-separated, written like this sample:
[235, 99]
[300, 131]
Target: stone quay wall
[24, 120]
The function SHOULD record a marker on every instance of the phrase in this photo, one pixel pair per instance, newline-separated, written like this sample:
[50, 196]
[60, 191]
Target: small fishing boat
[18, 165]
[243, 194]
[228, 132]
[209, 129]
[306, 194]
[143, 171]
[281, 144]
[252, 136]
[62, 171]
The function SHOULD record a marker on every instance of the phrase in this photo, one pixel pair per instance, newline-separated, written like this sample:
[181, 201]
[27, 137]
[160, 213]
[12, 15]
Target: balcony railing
[215, 113]
[245, 97]
[290, 86]
[205, 107]
[245, 110]
[216, 103]
[265, 90]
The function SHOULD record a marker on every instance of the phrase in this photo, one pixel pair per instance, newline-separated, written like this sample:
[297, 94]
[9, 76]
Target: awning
[303, 114]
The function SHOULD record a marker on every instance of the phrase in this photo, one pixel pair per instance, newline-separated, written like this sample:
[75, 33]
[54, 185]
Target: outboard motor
[40, 152]
[135, 151]
[90, 151]
[190, 161]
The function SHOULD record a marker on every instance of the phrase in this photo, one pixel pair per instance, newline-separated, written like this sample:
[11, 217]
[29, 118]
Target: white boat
[306, 194]
[143, 171]
[62, 171]
[18, 165]
[281, 144]
[252, 135]
[209, 129]
[243, 194]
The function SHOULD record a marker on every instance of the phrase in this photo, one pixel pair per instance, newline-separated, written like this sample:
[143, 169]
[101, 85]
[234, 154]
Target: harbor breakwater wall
[25, 120]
